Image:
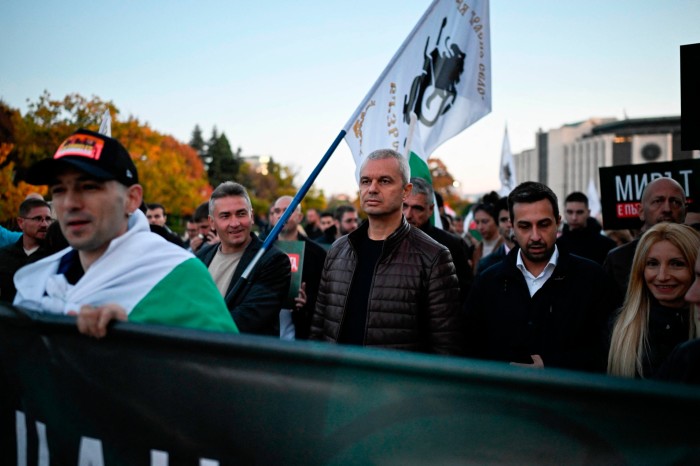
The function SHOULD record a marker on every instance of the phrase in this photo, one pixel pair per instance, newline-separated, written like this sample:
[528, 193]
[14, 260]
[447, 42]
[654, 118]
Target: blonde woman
[655, 316]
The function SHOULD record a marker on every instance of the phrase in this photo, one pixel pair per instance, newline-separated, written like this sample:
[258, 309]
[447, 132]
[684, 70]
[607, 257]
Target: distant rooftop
[637, 126]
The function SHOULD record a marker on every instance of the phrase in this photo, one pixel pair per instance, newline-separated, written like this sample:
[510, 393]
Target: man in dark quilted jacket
[388, 284]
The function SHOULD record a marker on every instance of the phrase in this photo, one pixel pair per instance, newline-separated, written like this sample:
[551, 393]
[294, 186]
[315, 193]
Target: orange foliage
[170, 172]
[12, 195]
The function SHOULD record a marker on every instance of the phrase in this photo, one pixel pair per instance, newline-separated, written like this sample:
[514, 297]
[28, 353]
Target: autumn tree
[265, 180]
[13, 192]
[444, 183]
[35, 136]
[171, 172]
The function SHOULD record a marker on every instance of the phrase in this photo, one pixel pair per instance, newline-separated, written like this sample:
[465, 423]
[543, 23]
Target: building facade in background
[566, 158]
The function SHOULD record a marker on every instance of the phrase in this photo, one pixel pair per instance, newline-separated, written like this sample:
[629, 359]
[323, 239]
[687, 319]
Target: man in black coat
[581, 234]
[418, 209]
[34, 220]
[311, 268]
[254, 305]
[540, 307]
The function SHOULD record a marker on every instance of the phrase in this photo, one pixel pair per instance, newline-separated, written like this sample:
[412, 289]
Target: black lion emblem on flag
[434, 91]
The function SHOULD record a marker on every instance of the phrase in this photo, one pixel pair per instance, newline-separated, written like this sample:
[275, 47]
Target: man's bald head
[663, 200]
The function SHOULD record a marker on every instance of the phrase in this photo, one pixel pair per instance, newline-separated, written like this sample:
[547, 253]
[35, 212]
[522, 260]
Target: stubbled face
[349, 222]
[156, 216]
[312, 217]
[326, 222]
[486, 225]
[535, 228]
[576, 214]
[381, 188]
[417, 210]
[667, 274]
[693, 294]
[277, 211]
[192, 230]
[92, 212]
[664, 201]
[233, 220]
[204, 227]
[505, 227]
[36, 223]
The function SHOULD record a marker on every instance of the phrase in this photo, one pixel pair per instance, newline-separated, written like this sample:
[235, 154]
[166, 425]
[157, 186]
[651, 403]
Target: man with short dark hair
[326, 220]
[505, 230]
[387, 284]
[663, 200]
[540, 306]
[312, 226]
[33, 220]
[191, 232]
[418, 210]
[254, 306]
[343, 221]
[155, 213]
[581, 234]
[205, 234]
[116, 268]
[346, 216]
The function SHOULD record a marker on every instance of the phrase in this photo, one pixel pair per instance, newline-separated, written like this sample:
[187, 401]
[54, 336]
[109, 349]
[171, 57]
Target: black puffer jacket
[414, 299]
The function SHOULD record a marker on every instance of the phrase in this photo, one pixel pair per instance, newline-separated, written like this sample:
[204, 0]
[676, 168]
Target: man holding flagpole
[388, 284]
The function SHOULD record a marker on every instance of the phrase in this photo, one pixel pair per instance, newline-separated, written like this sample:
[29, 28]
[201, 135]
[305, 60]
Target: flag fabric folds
[593, 199]
[507, 167]
[106, 124]
[442, 73]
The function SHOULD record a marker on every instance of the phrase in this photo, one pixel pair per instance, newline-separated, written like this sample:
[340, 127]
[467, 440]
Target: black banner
[148, 395]
[690, 97]
[621, 188]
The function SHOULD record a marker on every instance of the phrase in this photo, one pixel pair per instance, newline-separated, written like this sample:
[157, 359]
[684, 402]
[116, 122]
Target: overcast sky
[282, 78]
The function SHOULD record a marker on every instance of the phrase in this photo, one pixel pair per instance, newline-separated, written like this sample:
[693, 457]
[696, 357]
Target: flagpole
[393, 60]
[272, 237]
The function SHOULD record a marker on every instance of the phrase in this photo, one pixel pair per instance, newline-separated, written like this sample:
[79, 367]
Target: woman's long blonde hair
[629, 337]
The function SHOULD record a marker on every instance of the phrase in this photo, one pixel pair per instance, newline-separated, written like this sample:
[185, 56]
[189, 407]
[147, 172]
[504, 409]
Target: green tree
[197, 142]
[314, 199]
[266, 180]
[224, 164]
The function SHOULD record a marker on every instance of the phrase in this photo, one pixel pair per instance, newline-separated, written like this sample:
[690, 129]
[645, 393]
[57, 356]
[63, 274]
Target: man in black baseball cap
[116, 267]
[94, 188]
[93, 153]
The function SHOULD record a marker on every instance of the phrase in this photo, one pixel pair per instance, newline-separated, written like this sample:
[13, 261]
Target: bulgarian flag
[441, 73]
[153, 280]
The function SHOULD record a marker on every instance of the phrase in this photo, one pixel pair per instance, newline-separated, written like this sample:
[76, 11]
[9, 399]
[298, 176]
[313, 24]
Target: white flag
[507, 168]
[442, 72]
[593, 199]
[106, 124]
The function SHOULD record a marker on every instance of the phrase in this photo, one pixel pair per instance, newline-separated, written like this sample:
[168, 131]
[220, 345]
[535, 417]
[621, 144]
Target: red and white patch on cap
[81, 145]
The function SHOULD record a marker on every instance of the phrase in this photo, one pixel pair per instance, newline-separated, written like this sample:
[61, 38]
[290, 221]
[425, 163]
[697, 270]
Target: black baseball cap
[94, 153]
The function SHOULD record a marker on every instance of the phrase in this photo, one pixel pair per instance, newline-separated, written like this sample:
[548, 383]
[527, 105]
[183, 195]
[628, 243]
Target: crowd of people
[531, 291]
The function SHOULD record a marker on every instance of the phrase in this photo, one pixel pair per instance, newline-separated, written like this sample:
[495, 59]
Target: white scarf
[130, 267]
